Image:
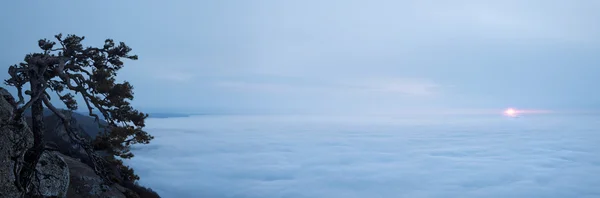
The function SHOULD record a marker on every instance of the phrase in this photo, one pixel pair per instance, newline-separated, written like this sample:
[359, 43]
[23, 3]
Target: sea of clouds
[372, 157]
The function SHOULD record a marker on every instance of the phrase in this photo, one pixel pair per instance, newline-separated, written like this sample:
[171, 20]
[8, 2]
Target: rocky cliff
[52, 177]
[60, 173]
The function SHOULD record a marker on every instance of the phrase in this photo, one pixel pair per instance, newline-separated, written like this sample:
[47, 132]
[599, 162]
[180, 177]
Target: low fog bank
[307, 156]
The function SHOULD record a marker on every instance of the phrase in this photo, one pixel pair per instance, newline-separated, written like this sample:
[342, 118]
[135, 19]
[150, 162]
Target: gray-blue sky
[336, 55]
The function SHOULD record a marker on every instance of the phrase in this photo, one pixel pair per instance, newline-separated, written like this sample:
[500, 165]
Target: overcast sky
[334, 55]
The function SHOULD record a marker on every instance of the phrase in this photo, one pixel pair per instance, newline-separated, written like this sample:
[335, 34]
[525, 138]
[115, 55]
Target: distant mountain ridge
[151, 115]
[87, 123]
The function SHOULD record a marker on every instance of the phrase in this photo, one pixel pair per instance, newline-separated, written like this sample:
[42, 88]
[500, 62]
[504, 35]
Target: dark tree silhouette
[68, 70]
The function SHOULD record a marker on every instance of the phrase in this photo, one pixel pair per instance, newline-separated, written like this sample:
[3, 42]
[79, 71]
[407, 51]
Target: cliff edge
[62, 172]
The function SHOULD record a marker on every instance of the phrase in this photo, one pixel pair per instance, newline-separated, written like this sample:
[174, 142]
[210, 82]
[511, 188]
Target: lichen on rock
[53, 175]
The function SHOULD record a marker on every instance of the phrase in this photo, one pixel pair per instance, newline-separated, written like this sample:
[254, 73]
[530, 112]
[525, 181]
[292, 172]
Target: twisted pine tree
[68, 70]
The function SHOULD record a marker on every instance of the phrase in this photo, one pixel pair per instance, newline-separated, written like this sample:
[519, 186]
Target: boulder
[53, 175]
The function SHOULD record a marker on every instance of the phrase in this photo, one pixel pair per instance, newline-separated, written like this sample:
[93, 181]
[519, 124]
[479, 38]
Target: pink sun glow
[510, 112]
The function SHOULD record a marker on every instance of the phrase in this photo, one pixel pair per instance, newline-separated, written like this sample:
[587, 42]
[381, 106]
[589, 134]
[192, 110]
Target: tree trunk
[37, 127]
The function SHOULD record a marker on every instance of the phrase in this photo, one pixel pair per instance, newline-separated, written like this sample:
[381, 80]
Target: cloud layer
[297, 156]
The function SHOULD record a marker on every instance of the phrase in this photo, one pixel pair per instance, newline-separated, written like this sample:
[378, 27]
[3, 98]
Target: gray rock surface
[59, 175]
[15, 139]
[86, 184]
[53, 175]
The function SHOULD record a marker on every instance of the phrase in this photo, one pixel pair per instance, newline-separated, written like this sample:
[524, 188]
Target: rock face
[10, 148]
[86, 184]
[61, 173]
[15, 139]
[54, 175]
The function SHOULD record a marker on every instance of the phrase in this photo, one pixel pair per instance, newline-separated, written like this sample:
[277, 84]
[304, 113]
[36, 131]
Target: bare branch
[20, 95]
[57, 49]
[128, 141]
[66, 77]
[33, 99]
[15, 73]
[86, 72]
[91, 110]
[96, 160]
[78, 88]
